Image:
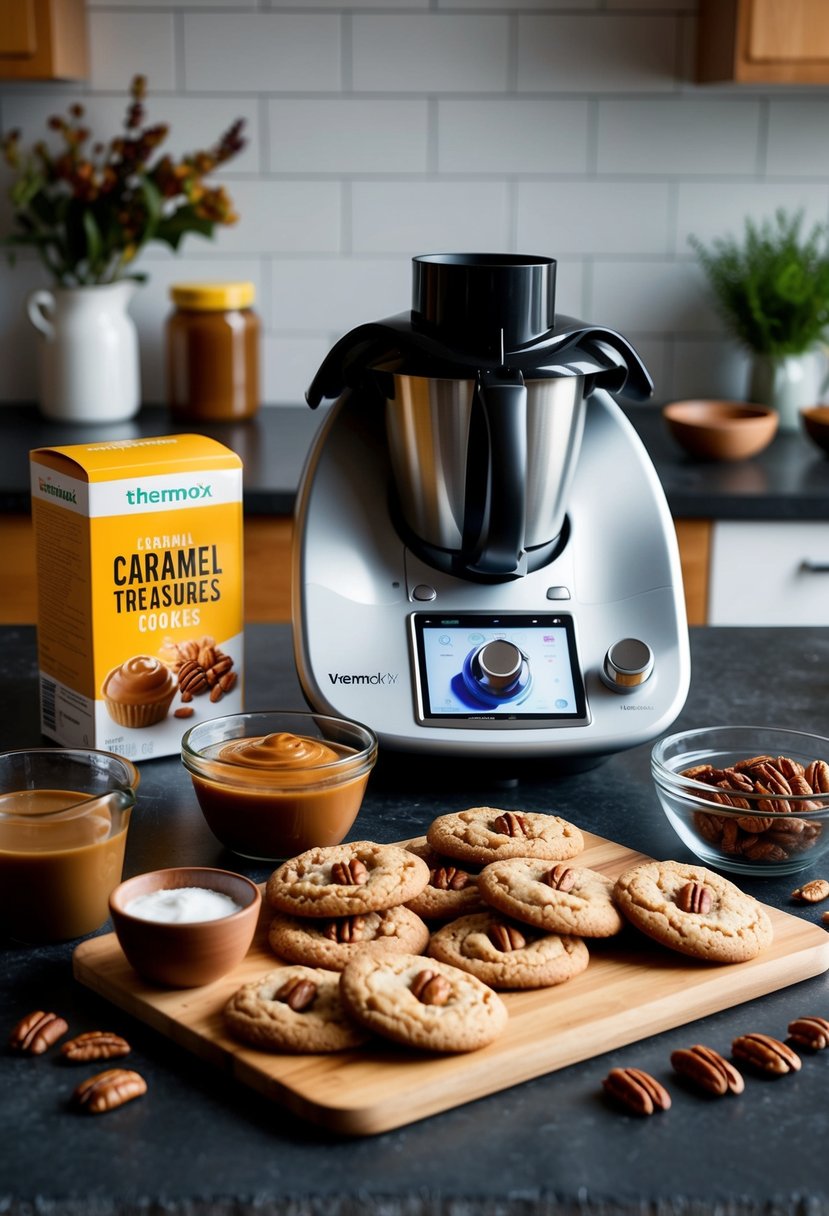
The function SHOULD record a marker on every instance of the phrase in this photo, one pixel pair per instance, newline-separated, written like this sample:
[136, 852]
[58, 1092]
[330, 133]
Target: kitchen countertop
[199, 1143]
[789, 480]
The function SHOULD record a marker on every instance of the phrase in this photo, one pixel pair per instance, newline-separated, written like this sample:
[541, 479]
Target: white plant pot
[788, 384]
[89, 368]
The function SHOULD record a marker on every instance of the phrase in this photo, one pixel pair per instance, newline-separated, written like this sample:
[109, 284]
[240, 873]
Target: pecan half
[812, 892]
[192, 678]
[448, 878]
[817, 774]
[351, 873]
[765, 1054]
[506, 937]
[811, 1032]
[707, 1069]
[36, 1033]
[108, 1090]
[95, 1045]
[431, 988]
[561, 878]
[345, 929]
[510, 823]
[638, 1091]
[695, 897]
[297, 993]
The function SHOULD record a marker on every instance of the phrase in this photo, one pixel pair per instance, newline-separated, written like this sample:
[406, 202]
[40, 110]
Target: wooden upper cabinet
[763, 41]
[43, 40]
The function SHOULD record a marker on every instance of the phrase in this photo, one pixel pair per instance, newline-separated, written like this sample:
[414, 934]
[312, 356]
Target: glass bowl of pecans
[751, 800]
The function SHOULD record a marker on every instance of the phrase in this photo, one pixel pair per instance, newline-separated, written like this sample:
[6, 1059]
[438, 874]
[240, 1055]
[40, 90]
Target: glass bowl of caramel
[273, 783]
[750, 800]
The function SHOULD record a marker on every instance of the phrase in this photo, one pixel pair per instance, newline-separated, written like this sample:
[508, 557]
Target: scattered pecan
[345, 929]
[297, 993]
[431, 988]
[510, 823]
[636, 1090]
[95, 1045]
[812, 892]
[561, 878]
[351, 873]
[36, 1032]
[506, 937]
[765, 1054]
[184, 711]
[449, 878]
[811, 1032]
[695, 897]
[707, 1069]
[192, 678]
[108, 1090]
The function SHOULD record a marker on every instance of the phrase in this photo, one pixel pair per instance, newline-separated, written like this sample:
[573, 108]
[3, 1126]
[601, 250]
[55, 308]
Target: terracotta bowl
[815, 421]
[721, 430]
[187, 954]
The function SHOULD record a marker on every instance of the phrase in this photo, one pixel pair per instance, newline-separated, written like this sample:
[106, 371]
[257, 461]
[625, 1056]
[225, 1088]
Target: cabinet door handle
[812, 566]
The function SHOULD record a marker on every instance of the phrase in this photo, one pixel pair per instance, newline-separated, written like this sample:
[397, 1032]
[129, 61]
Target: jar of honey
[213, 352]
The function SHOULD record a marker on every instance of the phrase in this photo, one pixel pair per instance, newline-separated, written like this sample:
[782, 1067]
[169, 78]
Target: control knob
[627, 665]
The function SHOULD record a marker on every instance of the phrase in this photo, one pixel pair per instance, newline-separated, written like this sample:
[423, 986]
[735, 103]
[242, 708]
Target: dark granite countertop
[199, 1143]
[789, 480]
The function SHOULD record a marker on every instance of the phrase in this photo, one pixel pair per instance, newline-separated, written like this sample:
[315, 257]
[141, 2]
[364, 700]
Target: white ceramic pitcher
[89, 352]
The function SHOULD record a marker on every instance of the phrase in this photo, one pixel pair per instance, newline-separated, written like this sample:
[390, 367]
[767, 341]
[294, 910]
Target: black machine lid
[473, 313]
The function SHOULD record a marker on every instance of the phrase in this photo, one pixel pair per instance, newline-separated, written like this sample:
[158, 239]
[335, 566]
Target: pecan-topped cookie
[294, 1009]
[346, 879]
[421, 1002]
[331, 943]
[507, 955]
[484, 834]
[693, 910]
[554, 896]
[452, 889]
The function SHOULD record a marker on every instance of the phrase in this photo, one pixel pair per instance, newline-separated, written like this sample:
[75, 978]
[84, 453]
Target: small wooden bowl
[721, 430]
[186, 954]
[815, 421]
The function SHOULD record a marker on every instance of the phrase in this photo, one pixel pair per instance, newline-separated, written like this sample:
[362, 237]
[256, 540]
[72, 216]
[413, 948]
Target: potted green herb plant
[772, 290]
[87, 209]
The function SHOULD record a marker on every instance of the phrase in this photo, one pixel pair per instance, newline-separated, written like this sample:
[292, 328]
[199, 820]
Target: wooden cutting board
[631, 989]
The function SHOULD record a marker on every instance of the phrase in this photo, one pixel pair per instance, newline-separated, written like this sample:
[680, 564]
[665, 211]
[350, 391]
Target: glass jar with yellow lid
[213, 351]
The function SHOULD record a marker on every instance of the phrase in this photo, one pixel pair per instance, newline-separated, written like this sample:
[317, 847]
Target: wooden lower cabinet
[268, 568]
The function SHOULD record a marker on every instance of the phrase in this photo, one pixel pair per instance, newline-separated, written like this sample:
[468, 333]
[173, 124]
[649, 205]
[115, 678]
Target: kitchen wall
[569, 128]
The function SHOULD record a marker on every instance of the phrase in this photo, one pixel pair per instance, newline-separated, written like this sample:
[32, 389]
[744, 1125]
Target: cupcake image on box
[139, 692]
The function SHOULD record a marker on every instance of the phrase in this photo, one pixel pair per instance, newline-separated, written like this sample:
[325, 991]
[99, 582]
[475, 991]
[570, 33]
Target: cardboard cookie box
[139, 586]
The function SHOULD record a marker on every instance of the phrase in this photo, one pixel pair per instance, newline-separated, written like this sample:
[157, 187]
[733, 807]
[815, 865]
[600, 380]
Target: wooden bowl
[721, 430]
[815, 421]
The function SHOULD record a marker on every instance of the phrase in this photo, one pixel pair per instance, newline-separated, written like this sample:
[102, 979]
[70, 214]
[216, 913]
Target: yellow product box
[139, 587]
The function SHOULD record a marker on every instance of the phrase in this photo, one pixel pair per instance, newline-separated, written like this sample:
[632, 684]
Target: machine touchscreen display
[509, 668]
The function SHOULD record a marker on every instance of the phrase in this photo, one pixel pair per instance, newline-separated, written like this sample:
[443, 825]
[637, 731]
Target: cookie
[346, 879]
[557, 897]
[484, 834]
[506, 955]
[292, 1009]
[331, 943]
[421, 1002]
[452, 889]
[692, 910]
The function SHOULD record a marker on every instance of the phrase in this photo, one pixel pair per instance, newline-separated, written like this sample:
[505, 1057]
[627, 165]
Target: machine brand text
[376, 677]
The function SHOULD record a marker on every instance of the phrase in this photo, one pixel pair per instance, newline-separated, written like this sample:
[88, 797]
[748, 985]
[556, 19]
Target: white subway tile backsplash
[426, 217]
[685, 138]
[595, 217]
[596, 53]
[261, 52]
[385, 128]
[430, 52]
[348, 135]
[513, 135]
[124, 44]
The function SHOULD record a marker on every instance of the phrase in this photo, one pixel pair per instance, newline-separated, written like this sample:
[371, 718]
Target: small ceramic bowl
[274, 783]
[185, 954]
[721, 430]
[815, 422]
[746, 799]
